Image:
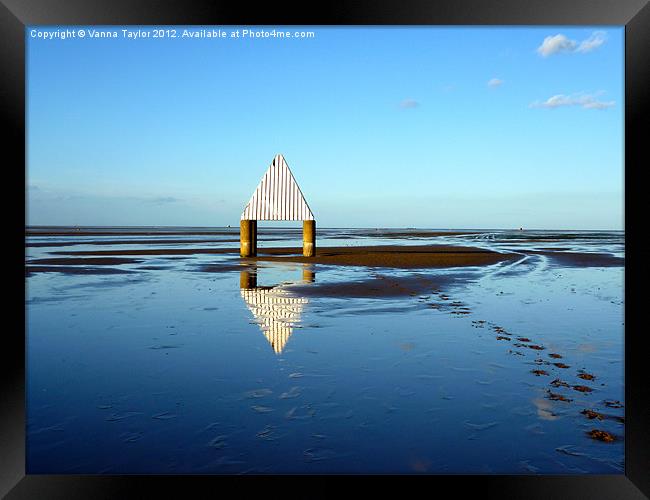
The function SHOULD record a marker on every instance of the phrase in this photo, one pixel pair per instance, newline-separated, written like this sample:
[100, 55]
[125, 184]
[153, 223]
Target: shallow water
[196, 364]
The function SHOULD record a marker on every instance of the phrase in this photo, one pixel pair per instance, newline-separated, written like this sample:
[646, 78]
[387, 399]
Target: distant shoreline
[225, 230]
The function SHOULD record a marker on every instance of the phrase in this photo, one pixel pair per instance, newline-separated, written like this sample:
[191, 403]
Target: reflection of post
[309, 238]
[308, 274]
[247, 280]
[248, 238]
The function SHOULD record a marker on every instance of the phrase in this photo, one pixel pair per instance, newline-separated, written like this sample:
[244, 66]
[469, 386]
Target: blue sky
[382, 127]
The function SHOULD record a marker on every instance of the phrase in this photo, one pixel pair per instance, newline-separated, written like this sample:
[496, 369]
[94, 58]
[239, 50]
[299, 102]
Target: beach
[390, 350]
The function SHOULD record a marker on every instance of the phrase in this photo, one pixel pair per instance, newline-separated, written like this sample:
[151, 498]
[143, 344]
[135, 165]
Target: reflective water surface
[204, 363]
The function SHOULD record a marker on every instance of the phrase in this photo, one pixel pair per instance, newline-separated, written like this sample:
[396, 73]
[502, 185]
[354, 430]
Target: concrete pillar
[309, 238]
[248, 238]
[247, 279]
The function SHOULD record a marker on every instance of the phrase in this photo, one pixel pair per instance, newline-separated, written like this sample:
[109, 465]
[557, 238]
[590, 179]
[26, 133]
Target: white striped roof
[277, 196]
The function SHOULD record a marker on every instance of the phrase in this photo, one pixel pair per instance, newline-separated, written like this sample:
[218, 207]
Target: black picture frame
[633, 14]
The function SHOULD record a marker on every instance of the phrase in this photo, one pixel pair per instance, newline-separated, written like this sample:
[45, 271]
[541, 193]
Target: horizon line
[322, 227]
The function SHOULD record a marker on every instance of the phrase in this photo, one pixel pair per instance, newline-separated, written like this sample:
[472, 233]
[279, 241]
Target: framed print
[386, 239]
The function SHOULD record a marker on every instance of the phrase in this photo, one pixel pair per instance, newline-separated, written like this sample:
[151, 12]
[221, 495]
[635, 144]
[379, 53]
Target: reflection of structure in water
[276, 310]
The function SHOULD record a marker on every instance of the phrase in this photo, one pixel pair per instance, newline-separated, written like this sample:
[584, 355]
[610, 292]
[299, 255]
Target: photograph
[325, 250]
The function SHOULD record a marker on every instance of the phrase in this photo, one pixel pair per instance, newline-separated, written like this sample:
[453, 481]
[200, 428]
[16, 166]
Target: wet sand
[502, 367]
[97, 261]
[392, 256]
[382, 286]
[126, 242]
[395, 256]
[379, 256]
[582, 259]
[30, 270]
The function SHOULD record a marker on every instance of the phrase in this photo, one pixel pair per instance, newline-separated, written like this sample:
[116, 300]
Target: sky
[427, 127]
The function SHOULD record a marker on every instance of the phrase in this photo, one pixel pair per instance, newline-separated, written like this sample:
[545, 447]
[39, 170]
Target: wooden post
[309, 238]
[248, 238]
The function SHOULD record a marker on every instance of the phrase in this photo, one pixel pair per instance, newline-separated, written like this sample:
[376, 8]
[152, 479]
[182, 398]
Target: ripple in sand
[481, 427]
[404, 392]
[294, 392]
[267, 433]
[131, 437]
[568, 450]
[463, 369]
[523, 411]
[536, 429]
[300, 412]
[217, 442]
[164, 416]
[525, 465]
[389, 408]
[261, 409]
[211, 426]
[114, 417]
[320, 454]
[257, 393]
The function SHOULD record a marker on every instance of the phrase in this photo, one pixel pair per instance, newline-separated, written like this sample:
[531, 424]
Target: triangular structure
[277, 196]
[276, 312]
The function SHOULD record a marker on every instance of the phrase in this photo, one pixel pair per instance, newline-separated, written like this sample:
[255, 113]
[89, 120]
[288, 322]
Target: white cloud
[593, 42]
[494, 82]
[409, 103]
[554, 44]
[598, 105]
[560, 43]
[586, 101]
